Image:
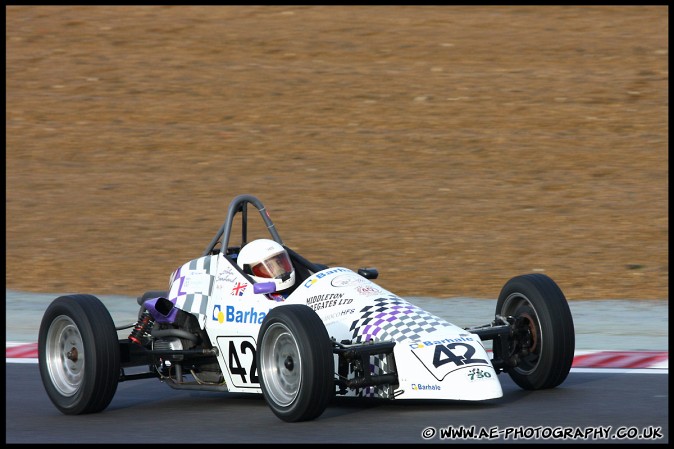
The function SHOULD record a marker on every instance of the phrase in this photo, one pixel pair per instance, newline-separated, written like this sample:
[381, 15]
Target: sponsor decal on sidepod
[312, 280]
[232, 315]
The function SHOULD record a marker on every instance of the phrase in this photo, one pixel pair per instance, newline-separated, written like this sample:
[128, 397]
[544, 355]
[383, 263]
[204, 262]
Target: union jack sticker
[238, 289]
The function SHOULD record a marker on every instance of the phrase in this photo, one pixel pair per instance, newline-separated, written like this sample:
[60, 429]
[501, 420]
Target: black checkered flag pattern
[393, 318]
[196, 303]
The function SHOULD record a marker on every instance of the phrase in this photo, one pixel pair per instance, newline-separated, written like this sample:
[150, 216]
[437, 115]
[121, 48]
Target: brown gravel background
[451, 147]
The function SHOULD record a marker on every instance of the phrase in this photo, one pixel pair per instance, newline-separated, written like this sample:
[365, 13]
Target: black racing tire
[295, 363]
[78, 354]
[544, 327]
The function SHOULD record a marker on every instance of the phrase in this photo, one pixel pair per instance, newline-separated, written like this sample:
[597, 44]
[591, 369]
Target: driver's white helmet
[266, 260]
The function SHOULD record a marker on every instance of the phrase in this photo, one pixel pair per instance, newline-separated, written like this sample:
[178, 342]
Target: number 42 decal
[241, 360]
[442, 359]
[445, 354]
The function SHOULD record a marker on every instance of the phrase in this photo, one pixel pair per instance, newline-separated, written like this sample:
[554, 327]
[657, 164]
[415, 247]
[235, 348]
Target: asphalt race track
[599, 404]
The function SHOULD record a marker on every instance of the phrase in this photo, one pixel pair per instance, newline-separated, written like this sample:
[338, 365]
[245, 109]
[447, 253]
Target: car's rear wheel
[295, 363]
[543, 337]
[78, 354]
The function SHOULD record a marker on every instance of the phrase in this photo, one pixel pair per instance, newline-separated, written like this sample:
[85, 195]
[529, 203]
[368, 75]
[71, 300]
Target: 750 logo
[477, 373]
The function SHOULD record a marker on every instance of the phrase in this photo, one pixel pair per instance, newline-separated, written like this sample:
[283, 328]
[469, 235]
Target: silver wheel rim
[510, 306]
[281, 364]
[64, 354]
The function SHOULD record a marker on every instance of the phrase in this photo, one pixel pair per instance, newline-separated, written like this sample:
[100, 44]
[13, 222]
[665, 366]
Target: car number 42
[446, 354]
[241, 361]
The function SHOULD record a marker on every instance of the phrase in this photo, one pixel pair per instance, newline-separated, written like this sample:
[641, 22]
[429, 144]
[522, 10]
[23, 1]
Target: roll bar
[240, 205]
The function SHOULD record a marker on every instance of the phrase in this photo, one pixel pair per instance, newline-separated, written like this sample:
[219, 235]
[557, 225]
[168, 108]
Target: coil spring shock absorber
[143, 326]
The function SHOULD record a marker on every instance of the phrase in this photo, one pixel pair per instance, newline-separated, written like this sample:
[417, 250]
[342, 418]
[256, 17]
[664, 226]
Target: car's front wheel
[78, 354]
[295, 362]
[542, 341]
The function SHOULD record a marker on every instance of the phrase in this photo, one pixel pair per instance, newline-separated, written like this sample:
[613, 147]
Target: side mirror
[264, 287]
[368, 273]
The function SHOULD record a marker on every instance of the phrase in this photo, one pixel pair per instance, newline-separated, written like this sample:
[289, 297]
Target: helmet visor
[277, 266]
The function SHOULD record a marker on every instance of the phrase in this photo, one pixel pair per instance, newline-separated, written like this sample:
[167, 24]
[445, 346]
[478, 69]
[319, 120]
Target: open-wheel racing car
[336, 333]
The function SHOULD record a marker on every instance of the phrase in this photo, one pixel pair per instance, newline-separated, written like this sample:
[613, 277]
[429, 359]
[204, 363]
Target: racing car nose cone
[289, 363]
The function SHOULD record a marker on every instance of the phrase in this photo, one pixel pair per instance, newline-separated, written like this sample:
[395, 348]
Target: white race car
[337, 333]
